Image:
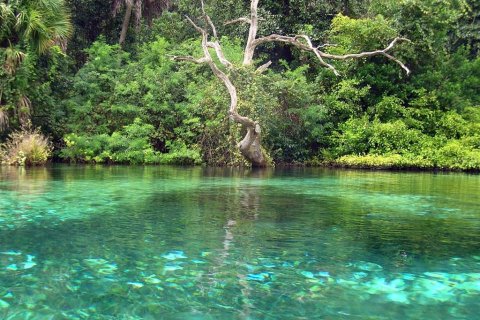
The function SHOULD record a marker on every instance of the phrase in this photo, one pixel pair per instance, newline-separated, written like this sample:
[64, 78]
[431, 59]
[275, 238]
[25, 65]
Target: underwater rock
[469, 286]
[29, 263]
[172, 267]
[135, 285]
[174, 255]
[152, 279]
[399, 297]
[251, 268]
[4, 304]
[316, 288]
[196, 261]
[260, 277]
[101, 266]
[8, 295]
[95, 262]
[359, 275]
[367, 266]
[269, 265]
[308, 274]
[11, 253]
[12, 267]
[408, 276]
[380, 285]
[438, 275]
[205, 254]
[433, 290]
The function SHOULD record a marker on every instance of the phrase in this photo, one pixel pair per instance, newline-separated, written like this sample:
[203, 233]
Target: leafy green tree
[26, 26]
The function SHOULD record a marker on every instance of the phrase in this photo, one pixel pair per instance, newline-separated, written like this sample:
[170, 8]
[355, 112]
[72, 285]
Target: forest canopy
[99, 80]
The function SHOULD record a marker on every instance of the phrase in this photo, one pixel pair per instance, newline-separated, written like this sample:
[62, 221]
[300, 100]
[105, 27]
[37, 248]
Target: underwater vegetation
[101, 286]
[149, 243]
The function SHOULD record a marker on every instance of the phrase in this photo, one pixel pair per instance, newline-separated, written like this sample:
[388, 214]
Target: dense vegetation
[64, 72]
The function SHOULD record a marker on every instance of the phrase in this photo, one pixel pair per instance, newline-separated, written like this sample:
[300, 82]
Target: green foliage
[38, 24]
[25, 147]
[28, 29]
[130, 145]
[105, 104]
[388, 161]
[355, 35]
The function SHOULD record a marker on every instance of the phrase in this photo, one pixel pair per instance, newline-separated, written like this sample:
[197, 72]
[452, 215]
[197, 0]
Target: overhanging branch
[303, 42]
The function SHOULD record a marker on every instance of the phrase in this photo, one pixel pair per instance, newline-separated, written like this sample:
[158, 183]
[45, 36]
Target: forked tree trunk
[126, 23]
[251, 147]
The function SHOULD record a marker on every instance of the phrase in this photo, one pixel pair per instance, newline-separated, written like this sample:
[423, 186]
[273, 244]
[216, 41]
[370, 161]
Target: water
[195, 243]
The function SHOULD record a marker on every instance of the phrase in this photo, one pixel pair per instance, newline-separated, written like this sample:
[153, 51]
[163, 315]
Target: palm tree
[27, 24]
[147, 9]
[37, 23]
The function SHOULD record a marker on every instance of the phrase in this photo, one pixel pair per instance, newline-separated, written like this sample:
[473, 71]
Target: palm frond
[13, 58]
[6, 14]
[24, 107]
[4, 121]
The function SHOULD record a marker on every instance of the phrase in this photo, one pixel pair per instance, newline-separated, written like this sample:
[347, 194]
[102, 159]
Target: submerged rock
[101, 266]
[260, 277]
[308, 274]
[197, 261]
[12, 267]
[399, 297]
[152, 280]
[172, 267]
[135, 285]
[11, 253]
[4, 304]
[367, 266]
[359, 275]
[174, 255]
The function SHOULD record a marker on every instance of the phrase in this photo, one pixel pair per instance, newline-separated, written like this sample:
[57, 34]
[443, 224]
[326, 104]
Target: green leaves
[355, 35]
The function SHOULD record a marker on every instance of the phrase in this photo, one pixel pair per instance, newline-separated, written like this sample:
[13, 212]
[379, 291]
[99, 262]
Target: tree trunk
[251, 147]
[126, 22]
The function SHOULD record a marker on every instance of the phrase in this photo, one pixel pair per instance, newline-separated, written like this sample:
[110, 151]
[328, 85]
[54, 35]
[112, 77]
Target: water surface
[197, 243]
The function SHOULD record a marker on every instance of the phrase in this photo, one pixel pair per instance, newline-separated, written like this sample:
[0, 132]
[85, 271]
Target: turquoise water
[195, 243]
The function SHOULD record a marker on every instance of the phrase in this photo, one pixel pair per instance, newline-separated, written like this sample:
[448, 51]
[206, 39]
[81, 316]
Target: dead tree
[250, 147]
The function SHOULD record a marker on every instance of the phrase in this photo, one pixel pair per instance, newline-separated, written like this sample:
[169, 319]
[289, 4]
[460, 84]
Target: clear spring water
[195, 243]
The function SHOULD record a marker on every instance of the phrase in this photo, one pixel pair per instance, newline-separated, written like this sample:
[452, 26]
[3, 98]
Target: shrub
[26, 148]
[456, 155]
[388, 161]
[130, 145]
[393, 137]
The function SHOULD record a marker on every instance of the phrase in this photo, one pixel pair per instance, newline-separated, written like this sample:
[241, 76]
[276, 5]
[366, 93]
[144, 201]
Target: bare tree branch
[200, 30]
[371, 53]
[242, 20]
[252, 34]
[189, 59]
[215, 44]
[307, 45]
[263, 67]
[218, 50]
[209, 21]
